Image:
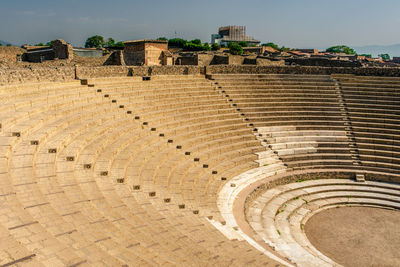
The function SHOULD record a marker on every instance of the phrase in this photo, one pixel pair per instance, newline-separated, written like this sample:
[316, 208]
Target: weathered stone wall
[323, 62]
[186, 60]
[60, 50]
[144, 53]
[204, 59]
[116, 58]
[122, 71]
[153, 54]
[140, 71]
[174, 70]
[39, 56]
[134, 58]
[105, 71]
[235, 60]
[26, 75]
[248, 69]
[47, 74]
[220, 60]
[63, 50]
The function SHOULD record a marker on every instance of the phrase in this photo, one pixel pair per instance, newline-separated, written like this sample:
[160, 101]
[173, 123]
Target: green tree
[215, 47]
[342, 49]
[1, 44]
[162, 39]
[95, 41]
[235, 49]
[196, 41]
[284, 49]
[206, 47]
[110, 42]
[177, 42]
[366, 55]
[120, 44]
[189, 46]
[243, 44]
[384, 56]
[50, 43]
[274, 46]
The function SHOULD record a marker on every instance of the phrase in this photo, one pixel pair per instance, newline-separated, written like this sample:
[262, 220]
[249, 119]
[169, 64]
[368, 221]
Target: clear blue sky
[293, 23]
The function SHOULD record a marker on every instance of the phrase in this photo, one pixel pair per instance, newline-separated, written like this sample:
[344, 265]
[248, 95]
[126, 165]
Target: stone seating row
[372, 107]
[360, 96]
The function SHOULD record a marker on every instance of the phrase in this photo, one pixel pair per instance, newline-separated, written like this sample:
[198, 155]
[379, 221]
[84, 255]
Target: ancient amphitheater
[220, 169]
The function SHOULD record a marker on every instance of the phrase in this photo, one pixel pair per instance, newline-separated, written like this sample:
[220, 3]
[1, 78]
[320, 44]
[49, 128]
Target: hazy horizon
[311, 23]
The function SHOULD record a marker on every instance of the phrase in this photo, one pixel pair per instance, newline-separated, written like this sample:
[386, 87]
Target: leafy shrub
[235, 49]
[120, 44]
[384, 56]
[206, 47]
[275, 46]
[177, 42]
[342, 49]
[95, 41]
[162, 39]
[243, 44]
[284, 49]
[196, 41]
[110, 42]
[366, 55]
[215, 47]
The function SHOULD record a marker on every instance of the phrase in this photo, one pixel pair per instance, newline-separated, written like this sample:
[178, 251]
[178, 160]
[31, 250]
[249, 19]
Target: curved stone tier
[279, 214]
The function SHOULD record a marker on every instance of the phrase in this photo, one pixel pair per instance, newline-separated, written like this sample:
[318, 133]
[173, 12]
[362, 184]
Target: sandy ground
[357, 236]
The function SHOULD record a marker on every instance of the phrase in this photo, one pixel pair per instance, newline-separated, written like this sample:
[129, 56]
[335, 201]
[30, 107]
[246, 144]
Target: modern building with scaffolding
[233, 34]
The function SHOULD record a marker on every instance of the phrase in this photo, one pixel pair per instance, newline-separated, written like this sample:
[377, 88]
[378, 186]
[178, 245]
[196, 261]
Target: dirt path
[357, 236]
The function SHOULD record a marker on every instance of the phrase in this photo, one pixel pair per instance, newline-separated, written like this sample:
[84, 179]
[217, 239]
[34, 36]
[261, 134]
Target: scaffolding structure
[232, 33]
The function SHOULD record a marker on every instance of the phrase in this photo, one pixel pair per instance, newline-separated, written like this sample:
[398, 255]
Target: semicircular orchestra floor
[280, 216]
[357, 236]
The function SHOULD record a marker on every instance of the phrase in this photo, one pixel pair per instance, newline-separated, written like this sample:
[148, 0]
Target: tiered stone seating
[279, 214]
[373, 107]
[130, 172]
[190, 115]
[87, 180]
[297, 116]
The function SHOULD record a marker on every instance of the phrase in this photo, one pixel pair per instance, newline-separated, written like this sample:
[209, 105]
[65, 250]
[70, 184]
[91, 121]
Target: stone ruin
[59, 50]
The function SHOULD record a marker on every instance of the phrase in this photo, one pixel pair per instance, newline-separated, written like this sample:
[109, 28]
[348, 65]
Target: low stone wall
[51, 74]
[174, 70]
[323, 62]
[122, 71]
[104, 71]
[246, 69]
[27, 75]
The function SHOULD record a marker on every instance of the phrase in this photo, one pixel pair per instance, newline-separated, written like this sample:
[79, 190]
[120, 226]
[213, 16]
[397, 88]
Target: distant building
[396, 60]
[232, 34]
[308, 50]
[59, 50]
[145, 52]
[88, 52]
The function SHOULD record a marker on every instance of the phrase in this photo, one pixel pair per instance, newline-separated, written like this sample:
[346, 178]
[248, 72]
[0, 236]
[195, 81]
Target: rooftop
[146, 41]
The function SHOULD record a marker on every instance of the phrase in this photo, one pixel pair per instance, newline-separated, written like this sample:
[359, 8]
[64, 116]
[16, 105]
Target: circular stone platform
[357, 236]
